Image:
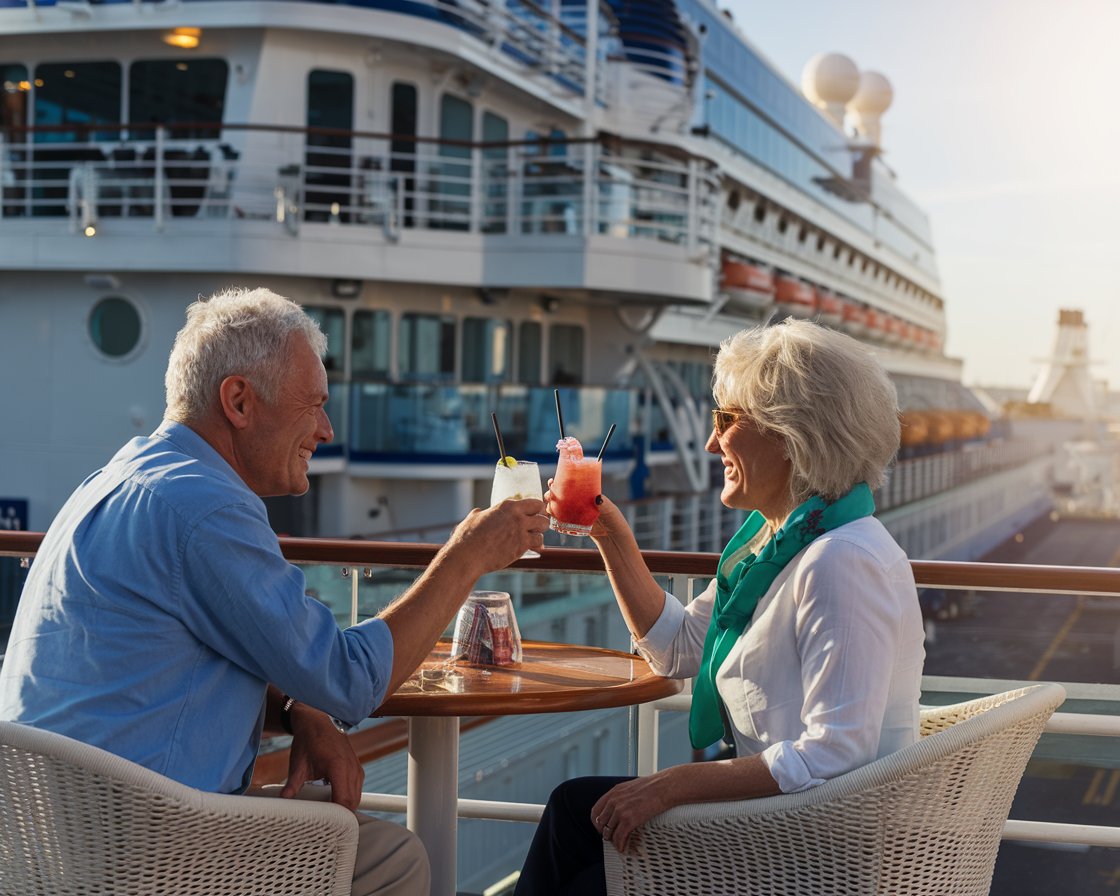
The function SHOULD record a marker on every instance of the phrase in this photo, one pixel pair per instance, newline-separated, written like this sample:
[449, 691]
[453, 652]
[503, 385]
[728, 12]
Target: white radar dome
[874, 94]
[830, 80]
[868, 105]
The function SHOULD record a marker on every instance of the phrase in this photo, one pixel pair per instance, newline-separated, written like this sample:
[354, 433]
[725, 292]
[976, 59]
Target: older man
[160, 620]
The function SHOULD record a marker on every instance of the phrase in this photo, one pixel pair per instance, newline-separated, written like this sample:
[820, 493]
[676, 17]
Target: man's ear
[237, 400]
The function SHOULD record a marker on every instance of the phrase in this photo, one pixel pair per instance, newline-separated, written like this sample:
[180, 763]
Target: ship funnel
[829, 81]
[871, 100]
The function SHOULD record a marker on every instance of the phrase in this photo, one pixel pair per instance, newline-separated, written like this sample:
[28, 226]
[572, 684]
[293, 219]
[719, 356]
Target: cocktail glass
[522, 480]
[577, 484]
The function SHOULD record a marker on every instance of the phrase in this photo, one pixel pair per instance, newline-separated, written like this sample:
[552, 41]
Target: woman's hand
[609, 522]
[630, 804]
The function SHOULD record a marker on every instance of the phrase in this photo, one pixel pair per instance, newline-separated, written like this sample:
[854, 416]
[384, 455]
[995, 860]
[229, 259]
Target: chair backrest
[76, 819]
[926, 819]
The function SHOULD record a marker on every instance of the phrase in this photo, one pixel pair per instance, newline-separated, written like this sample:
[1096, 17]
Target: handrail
[1035, 578]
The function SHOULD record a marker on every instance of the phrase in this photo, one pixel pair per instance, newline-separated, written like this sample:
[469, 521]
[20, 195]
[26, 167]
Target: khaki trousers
[391, 860]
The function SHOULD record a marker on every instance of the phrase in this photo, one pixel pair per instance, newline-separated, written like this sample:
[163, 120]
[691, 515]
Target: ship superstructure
[480, 203]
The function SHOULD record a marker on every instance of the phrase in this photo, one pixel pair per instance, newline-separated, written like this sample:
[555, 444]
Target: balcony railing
[380, 183]
[685, 571]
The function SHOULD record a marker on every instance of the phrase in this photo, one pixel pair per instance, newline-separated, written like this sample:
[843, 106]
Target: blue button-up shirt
[158, 609]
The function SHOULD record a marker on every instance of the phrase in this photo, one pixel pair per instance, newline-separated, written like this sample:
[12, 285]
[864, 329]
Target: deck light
[346, 289]
[184, 38]
[91, 230]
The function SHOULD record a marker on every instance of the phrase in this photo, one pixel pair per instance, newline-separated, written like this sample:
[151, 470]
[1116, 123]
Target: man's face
[285, 433]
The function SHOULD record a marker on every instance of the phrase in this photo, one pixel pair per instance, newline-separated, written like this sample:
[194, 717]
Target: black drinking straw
[498, 434]
[559, 413]
[610, 432]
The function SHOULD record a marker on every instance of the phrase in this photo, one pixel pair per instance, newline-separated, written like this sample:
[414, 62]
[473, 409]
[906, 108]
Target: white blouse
[828, 675]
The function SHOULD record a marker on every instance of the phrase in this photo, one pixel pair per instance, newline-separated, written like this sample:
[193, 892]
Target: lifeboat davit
[830, 308]
[794, 297]
[747, 285]
[854, 318]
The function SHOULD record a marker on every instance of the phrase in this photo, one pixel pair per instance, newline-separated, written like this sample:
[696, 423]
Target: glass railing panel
[403, 421]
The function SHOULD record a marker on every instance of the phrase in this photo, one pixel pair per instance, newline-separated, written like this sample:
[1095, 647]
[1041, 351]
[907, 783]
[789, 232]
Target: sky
[1005, 128]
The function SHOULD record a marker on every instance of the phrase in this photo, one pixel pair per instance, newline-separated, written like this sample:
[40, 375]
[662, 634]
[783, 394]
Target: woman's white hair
[822, 394]
[239, 331]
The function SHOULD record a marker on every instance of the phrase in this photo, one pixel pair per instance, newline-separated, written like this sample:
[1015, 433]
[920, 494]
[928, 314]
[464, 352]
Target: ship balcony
[435, 424]
[544, 213]
[1063, 819]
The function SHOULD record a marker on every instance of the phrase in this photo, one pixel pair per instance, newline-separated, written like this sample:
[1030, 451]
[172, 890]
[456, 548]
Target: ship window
[427, 347]
[369, 345]
[333, 324]
[179, 91]
[529, 353]
[85, 94]
[14, 90]
[565, 353]
[115, 326]
[495, 129]
[453, 174]
[760, 212]
[486, 350]
[328, 157]
[402, 147]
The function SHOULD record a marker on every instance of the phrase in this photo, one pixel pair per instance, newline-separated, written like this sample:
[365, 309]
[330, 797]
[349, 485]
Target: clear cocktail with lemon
[516, 479]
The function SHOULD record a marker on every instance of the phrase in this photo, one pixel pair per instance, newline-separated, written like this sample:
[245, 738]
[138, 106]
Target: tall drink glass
[577, 484]
[522, 480]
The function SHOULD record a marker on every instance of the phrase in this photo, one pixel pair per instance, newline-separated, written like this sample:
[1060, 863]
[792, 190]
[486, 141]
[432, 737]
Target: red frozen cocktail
[577, 484]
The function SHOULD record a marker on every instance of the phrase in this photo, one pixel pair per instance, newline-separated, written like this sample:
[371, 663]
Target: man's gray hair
[241, 332]
[821, 392]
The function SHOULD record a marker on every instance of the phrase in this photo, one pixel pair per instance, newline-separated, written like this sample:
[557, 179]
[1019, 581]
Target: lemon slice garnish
[510, 462]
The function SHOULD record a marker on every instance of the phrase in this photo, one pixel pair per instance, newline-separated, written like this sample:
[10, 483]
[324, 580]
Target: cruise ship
[481, 203]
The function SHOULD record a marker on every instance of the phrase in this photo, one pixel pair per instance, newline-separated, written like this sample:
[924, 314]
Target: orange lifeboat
[942, 427]
[830, 308]
[913, 429]
[854, 318]
[876, 322]
[894, 329]
[747, 285]
[795, 297]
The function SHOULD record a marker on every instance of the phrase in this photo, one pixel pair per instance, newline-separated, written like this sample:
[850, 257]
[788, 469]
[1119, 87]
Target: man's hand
[494, 538]
[319, 750]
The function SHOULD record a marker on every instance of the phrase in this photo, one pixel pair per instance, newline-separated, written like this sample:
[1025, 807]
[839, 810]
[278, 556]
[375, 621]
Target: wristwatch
[286, 717]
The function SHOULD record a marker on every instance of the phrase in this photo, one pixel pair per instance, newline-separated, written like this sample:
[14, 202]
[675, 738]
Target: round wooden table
[550, 678]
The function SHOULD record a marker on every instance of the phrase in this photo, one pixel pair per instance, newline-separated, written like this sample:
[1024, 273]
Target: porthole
[115, 327]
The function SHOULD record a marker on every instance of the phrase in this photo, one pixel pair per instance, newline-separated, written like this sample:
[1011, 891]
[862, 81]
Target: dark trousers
[566, 856]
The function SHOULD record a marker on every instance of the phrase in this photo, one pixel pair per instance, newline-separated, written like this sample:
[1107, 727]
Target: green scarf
[742, 579]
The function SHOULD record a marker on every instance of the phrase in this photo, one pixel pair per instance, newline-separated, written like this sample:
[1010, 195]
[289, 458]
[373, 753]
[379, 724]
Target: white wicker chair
[75, 819]
[923, 821]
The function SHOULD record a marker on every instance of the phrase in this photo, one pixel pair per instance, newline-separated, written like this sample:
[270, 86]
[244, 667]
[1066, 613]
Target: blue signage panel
[13, 514]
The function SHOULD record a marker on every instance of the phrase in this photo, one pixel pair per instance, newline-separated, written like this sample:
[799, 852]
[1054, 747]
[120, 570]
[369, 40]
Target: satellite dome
[830, 78]
[874, 94]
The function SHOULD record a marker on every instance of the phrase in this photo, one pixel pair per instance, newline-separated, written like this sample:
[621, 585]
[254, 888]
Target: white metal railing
[294, 177]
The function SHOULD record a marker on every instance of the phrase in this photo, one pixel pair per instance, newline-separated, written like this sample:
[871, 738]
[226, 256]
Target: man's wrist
[289, 704]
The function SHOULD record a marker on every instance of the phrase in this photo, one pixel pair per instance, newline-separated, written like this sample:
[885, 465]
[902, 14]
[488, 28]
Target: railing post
[647, 738]
[516, 188]
[477, 191]
[590, 178]
[692, 238]
[3, 156]
[160, 179]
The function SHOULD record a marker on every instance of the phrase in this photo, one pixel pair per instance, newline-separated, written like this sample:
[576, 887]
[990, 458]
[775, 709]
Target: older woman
[807, 647]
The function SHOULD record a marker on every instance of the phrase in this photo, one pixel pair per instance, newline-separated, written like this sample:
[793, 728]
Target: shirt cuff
[788, 768]
[659, 640]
